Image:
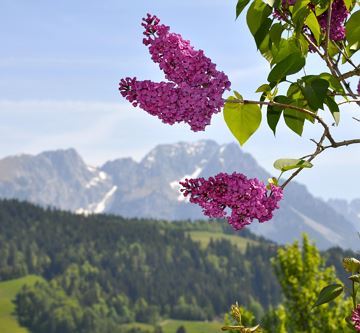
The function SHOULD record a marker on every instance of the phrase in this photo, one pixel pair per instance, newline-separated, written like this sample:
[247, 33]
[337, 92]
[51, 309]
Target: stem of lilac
[319, 150]
[343, 53]
[278, 179]
[350, 101]
[327, 32]
[353, 295]
[355, 72]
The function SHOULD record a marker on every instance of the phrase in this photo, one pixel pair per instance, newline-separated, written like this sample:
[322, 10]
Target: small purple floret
[355, 317]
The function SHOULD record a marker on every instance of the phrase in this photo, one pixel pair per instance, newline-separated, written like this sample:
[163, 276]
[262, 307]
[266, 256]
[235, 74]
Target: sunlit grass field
[204, 238]
[171, 326]
[8, 290]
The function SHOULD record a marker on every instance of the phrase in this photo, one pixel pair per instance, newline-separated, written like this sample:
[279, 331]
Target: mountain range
[149, 188]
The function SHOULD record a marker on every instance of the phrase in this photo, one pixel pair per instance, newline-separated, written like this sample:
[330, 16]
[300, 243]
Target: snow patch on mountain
[97, 208]
[100, 208]
[101, 177]
[176, 186]
[91, 168]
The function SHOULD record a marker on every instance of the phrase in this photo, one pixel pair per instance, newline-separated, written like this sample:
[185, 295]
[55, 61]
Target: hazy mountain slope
[349, 209]
[149, 188]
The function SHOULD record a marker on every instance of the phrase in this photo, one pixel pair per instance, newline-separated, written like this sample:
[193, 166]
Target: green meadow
[8, 291]
[170, 326]
[204, 238]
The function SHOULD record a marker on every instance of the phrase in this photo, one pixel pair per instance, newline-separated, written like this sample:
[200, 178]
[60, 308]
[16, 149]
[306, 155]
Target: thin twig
[319, 150]
[354, 72]
[341, 51]
[342, 143]
[350, 101]
[327, 32]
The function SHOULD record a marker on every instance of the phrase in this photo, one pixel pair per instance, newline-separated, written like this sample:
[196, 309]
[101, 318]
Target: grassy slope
[8, 290]
[171, 326]
[204, 238]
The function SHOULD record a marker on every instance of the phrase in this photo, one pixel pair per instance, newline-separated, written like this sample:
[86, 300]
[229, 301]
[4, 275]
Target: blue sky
[61, 62]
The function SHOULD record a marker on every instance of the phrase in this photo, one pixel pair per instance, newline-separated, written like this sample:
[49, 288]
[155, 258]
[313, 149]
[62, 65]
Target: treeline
[102, 271]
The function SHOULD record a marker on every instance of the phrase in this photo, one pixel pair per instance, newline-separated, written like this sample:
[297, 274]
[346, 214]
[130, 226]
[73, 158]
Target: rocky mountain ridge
[149, 188]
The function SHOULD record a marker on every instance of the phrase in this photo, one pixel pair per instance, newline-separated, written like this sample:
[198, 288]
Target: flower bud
[236, 312]
[351, 265]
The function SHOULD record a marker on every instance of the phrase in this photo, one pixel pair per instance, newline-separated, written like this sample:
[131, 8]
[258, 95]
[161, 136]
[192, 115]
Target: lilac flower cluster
[355, 317]
[234, 196]
[338, 17]
[339, 14]
[195, 90]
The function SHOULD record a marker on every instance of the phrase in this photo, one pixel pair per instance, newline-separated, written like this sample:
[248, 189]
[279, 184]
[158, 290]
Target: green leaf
[313, 24]
[276, 32]
[329, 293]
[242, 119]
[286, 47]
[315, 93]
[262, 32]
[285, 164]
[256, 15]
[355, 278]
[321, 8]
[265, 48]
[299, 18]
[263, 88]
[334, 109]
[290, 65]
[348, 4]
[241, 4]
[238, 96]
[294, 120]
[333, 82]
[353, 31]
[273, 115]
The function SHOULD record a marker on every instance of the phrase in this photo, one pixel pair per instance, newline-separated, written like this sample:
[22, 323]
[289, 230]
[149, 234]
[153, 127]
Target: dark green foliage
[181, 329]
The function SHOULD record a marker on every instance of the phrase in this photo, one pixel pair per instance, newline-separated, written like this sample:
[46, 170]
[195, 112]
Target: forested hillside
[103, 271]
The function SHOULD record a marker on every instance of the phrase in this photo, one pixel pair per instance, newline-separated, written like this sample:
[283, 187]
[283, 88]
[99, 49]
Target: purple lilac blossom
[355, 317]
[195, 90]
[234, 196]
[339, 14]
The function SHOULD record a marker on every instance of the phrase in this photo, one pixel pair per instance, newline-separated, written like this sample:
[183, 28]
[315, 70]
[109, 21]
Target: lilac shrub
[195, 90]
